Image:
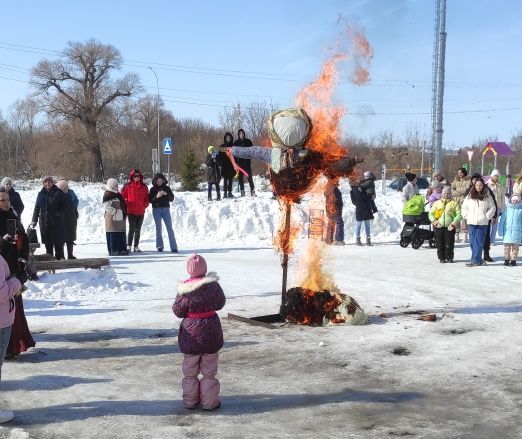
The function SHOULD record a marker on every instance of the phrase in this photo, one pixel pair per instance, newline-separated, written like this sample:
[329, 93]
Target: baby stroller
[417, 225]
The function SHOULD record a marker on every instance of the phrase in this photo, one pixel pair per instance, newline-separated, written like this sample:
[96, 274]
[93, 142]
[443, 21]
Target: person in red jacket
[136, 196]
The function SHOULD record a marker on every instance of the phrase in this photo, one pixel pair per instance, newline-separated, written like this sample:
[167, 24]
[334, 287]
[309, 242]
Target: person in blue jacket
[510, 227]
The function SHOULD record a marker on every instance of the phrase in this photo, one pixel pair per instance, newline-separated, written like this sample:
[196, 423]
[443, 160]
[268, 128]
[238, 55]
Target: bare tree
[78, 86]
[251, 117]
[23, 120]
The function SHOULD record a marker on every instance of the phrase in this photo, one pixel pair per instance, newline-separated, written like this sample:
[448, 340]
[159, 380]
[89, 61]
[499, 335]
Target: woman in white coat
[477, 209]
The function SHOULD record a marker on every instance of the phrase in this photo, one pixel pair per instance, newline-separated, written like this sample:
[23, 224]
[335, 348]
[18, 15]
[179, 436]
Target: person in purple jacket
[9, 287]
[200, 335]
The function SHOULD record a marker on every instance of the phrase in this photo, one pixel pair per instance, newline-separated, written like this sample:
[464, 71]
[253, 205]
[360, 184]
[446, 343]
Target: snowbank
[241, 221]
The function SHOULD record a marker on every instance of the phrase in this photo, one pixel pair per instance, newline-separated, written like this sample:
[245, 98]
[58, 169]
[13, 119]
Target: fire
[317, 97]
[313, 275]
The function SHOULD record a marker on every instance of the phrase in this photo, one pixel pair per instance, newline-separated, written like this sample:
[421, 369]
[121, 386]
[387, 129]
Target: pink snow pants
[205, 392]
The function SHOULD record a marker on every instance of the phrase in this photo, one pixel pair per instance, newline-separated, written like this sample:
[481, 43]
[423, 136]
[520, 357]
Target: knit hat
[46, 178]
[7, 180]
[112, 185]
[63, 185]
[476, 176]
[446, 190]
[410, 176]
[210, 149]
[495, 172]
[196, 265]
[515, 198]
[367, 174]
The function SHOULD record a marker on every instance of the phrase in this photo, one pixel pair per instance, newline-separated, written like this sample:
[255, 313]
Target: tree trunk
[94, 147]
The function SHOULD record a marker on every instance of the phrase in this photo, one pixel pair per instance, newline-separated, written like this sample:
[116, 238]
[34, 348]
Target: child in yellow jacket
[445, 216]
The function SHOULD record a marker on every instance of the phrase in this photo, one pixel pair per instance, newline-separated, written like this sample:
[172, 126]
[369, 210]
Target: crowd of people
[468, 207]
[219, 166]
[473, 208]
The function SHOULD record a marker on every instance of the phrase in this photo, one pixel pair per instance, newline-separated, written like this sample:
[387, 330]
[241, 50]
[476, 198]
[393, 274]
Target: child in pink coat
[9, 287]
[200, 335]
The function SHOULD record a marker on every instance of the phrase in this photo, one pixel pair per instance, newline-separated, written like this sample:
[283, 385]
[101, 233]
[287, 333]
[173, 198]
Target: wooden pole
[284, 263]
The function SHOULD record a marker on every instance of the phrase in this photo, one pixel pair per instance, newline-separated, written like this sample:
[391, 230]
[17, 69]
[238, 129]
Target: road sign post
[167, 150]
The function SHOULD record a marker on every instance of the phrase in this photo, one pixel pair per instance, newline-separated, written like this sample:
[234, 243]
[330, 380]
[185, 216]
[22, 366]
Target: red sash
[201, 315]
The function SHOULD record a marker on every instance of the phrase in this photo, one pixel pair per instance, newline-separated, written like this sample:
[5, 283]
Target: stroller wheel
[404, 242]
[433, 243]
[417, 242]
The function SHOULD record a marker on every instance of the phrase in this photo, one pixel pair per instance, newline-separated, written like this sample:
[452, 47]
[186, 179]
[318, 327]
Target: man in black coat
[48, 209]
[242, 141]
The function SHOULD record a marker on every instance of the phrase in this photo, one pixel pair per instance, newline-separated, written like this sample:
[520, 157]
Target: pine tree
[190, 172]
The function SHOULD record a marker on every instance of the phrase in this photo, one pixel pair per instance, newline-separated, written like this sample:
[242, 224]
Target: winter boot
[242, 193]
[70, 251]
[358, 241]
[210, 198]
[253, 193]
[368, 241]
[230, 195]
[506, 262]
[487, 258]
[513, 263]
[137, 249]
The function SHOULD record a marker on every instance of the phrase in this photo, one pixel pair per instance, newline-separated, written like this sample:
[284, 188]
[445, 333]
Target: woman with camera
[14, 247]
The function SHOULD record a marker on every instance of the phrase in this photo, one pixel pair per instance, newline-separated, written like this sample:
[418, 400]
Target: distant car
[400, 182]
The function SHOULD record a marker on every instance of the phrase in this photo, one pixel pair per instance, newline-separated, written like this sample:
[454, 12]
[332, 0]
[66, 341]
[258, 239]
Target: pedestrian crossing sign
[167, 145]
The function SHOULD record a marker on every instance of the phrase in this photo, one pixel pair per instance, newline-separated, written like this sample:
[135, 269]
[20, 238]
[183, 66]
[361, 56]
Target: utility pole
[158, 116]
[439, 55]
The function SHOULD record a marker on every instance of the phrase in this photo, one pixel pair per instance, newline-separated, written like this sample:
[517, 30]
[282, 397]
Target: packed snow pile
[248, 220]
[92, 285]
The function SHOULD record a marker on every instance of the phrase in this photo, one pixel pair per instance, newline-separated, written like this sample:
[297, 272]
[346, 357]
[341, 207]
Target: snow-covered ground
[107, 363]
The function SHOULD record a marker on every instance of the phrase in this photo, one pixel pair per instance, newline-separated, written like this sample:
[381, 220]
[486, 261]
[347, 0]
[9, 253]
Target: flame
[316, 98]
[325, 136]
[313, 277]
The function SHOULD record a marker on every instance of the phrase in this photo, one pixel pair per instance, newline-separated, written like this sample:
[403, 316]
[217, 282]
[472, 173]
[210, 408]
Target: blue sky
[207, 48]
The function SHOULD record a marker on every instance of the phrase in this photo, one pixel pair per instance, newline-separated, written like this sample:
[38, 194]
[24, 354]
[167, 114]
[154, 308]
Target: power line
[360, 113]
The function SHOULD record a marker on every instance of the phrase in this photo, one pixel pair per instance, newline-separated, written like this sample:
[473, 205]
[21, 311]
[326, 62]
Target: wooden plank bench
[52, 265]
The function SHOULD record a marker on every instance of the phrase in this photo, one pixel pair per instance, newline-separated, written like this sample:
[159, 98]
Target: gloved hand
[22, 277]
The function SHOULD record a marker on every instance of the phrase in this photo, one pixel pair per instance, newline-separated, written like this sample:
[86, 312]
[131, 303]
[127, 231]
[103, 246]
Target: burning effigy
[306, 149]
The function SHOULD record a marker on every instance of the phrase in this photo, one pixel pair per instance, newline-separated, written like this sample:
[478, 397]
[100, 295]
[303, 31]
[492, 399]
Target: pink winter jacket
[8, 288]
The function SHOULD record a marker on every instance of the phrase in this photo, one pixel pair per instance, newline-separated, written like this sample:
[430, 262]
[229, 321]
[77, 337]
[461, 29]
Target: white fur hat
[495, 172]
[112, 185]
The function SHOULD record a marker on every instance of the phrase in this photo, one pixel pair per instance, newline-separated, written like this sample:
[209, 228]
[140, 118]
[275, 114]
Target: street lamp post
[158, 116]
